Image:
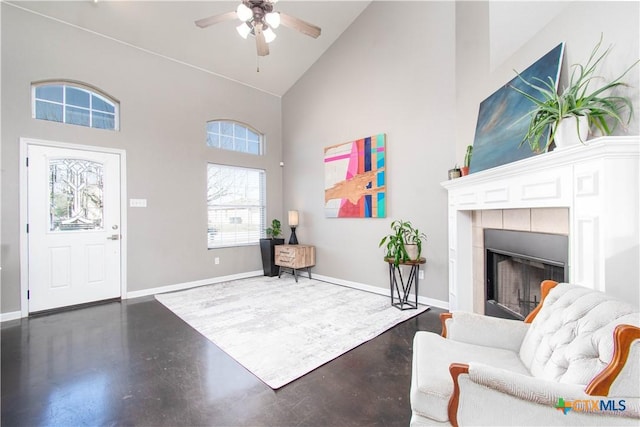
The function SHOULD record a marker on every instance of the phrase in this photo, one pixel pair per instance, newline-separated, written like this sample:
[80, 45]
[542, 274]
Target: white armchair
[574, 361]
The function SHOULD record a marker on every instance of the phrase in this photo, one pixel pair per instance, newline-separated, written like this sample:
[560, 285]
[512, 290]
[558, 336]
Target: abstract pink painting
[355, 179]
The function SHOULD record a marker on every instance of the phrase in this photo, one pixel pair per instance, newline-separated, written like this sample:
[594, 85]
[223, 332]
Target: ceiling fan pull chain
[257, 64]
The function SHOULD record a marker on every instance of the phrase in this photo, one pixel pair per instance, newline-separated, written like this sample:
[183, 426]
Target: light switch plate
[138, 203]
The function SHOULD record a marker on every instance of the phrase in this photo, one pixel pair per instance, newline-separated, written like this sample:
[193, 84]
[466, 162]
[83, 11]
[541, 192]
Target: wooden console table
[400, 288]
[294, 258]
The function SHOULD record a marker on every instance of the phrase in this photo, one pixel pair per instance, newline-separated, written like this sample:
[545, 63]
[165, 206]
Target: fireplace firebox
[516, 263]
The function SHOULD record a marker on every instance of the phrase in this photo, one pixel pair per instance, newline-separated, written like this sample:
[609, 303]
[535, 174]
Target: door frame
[24, 237]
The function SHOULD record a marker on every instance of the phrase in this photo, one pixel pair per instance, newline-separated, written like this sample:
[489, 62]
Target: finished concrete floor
[135, 363]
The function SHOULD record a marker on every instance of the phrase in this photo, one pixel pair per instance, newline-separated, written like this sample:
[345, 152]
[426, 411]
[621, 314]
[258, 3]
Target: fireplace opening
[516, 263]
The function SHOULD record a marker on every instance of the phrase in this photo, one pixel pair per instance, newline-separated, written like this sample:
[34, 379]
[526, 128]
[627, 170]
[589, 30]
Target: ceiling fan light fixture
[244, 30]
[243, 12]
[259, 19]
[273, 19]
[269, 35]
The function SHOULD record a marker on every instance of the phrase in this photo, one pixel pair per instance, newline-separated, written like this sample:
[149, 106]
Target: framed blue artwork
[498, 131]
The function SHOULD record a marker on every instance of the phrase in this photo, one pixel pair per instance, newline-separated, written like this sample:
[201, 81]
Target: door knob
[114, 237]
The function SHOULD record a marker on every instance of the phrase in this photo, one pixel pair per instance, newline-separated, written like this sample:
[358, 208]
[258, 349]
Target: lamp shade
[273, 19]
[244, 13]
[293, 218]
[243, 30]
[269, 35]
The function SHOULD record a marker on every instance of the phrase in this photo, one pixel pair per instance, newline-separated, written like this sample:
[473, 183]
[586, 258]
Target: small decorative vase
[412, 251]
[454, 173]
[569, 133]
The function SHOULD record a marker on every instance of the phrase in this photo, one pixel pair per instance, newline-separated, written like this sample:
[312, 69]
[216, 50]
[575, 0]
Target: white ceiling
[167, 28]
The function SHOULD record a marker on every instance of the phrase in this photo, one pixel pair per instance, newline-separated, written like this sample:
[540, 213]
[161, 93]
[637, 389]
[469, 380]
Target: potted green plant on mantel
[454, 172]
[467, 161]
[573, 112]
[267, 248]
[404, 243]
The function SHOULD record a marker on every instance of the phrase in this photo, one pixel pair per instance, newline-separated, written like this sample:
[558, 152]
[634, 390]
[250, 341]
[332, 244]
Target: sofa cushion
[571, 338]
[431, 384]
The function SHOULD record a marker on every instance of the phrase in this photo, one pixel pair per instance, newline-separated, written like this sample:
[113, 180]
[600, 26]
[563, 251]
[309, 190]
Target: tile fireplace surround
[591, 193]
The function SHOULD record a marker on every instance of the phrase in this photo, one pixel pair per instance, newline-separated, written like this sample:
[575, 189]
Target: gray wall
[393, 72]
[164, 108]
[418, 71]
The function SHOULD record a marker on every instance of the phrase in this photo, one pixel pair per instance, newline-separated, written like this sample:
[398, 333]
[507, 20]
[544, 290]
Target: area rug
[281, 330]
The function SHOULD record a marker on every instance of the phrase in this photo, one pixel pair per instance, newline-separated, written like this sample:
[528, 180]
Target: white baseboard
[355, 285]
[432, 302]
[377, 290]
[12, 315]
[5, 317]
[187, 285]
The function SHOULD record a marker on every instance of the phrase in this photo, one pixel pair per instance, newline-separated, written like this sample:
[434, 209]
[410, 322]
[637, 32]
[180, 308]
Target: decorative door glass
[75, 195]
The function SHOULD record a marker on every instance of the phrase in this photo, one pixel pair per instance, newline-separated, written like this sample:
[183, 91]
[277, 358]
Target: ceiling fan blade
[261, 43]
[300, 25]
[215, 19]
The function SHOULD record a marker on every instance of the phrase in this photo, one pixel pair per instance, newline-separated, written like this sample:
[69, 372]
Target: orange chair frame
[623, 337]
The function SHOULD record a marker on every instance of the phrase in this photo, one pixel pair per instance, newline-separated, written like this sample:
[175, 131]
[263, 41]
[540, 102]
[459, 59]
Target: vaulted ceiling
[167, 28]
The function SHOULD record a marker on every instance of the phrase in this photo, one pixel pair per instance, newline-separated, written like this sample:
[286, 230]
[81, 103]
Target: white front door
[73, 205]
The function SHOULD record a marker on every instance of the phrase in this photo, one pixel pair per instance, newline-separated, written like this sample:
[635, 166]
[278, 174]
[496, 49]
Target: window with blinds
[236, 203]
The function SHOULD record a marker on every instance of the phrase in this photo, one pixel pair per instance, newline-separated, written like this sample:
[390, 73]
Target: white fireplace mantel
[597, 182]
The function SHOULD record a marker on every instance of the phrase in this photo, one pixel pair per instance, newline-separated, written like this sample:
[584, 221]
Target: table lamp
[293, 223]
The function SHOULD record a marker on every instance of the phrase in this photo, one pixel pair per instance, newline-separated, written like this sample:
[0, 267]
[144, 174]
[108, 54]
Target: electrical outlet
[421, 274]
[216, 260]
[138, 203]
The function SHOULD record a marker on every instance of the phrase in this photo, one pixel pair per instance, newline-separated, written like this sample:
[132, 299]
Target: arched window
[75, 104]
[234, 136]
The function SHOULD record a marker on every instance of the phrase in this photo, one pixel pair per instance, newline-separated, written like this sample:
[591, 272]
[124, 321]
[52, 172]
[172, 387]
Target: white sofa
[574, 361]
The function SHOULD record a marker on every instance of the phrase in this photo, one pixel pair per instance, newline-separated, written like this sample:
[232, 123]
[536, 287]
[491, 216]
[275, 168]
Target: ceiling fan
[259, 19]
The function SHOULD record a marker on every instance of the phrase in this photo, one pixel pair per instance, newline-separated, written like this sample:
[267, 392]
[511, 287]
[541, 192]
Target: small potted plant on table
[403, 244]
[267, 248]
[403, 247]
